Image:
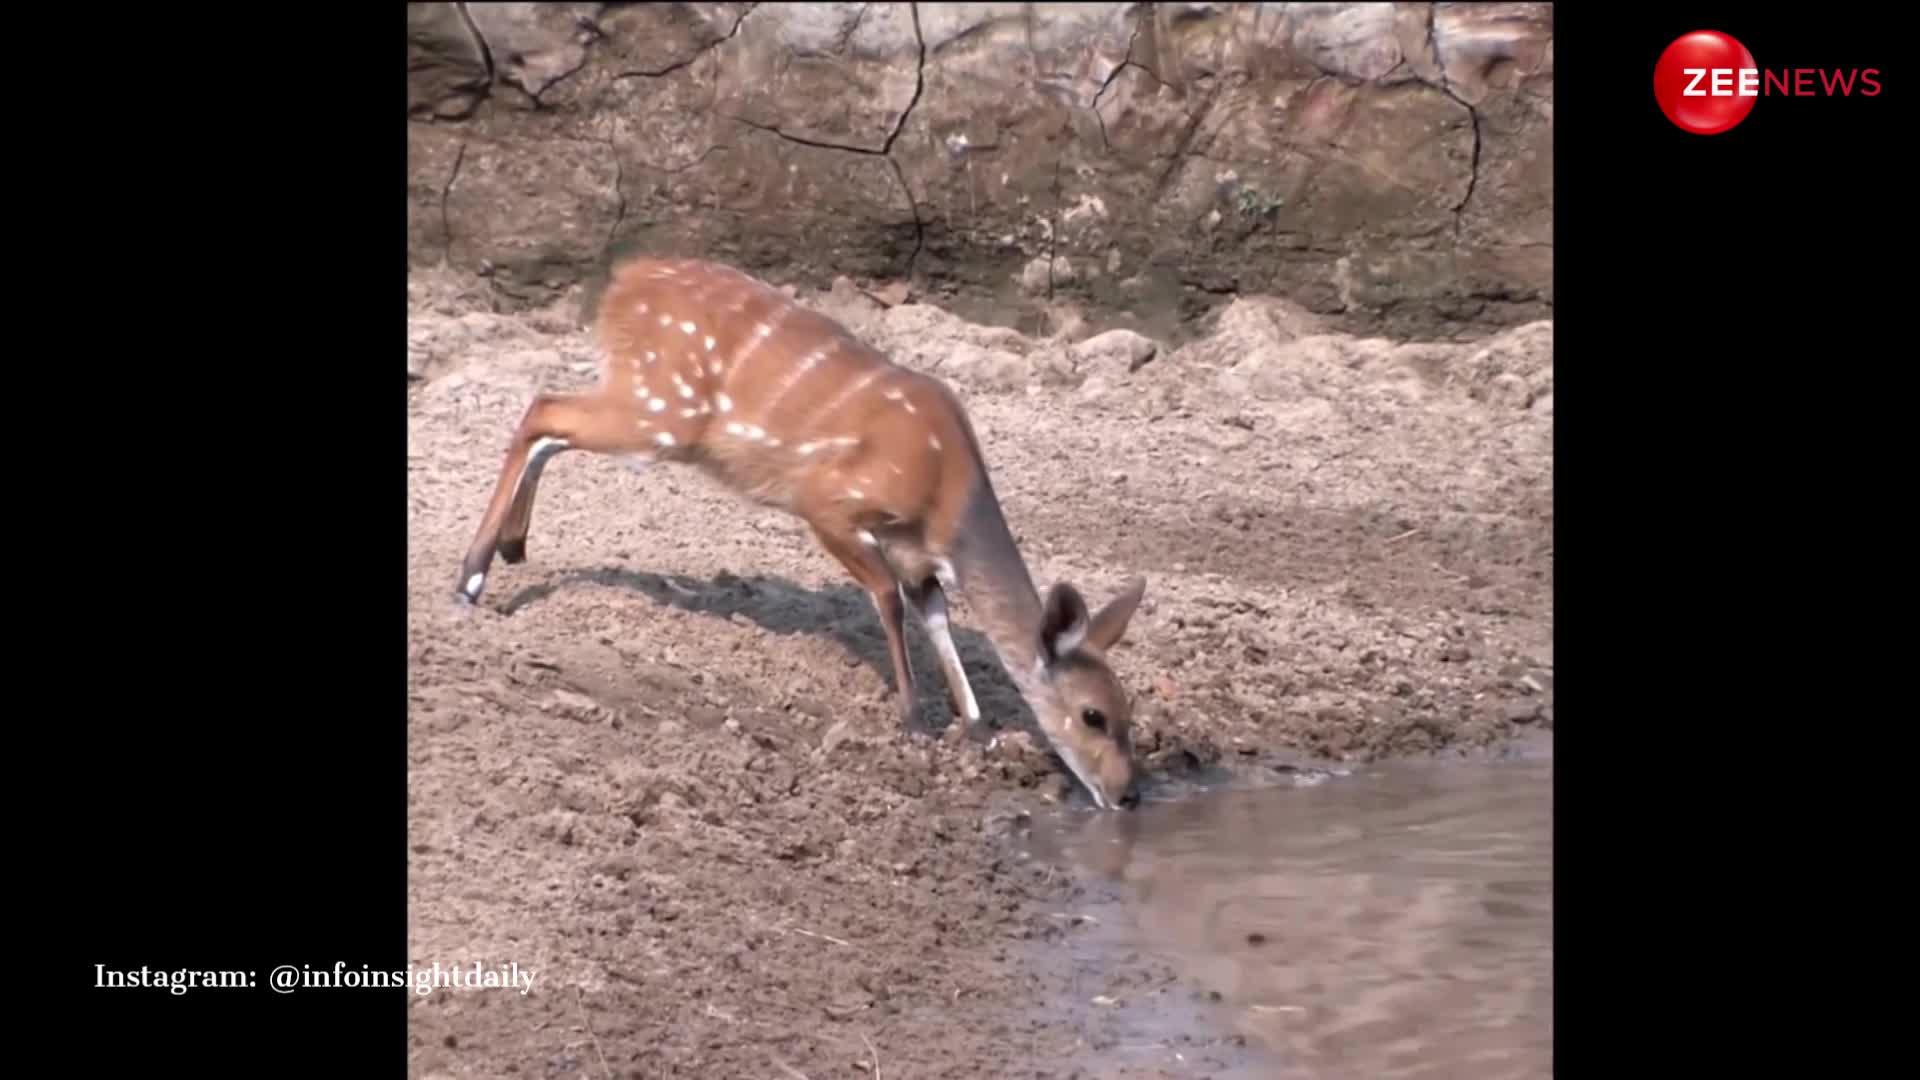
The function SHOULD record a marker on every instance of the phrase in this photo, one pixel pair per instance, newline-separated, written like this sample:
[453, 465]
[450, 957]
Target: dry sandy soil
[657, 765]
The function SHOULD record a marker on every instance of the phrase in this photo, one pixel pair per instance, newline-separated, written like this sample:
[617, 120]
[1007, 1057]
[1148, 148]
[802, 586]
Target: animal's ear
[1106, 629]
[1063, 622]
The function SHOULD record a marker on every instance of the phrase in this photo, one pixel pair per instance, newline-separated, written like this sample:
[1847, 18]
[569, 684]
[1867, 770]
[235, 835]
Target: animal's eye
[1094, 719]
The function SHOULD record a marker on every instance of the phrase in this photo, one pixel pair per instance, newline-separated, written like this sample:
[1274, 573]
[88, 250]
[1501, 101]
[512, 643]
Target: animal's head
[1082, 708]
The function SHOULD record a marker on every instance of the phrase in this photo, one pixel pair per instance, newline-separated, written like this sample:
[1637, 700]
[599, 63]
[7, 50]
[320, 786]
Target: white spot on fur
[807, 447]
[665, 438]
[709, 342]
[666, 320]
[651, 356]
[656, 404]
[725, 402]
[714, 367]
[933, 441]
[686, 391]
[736, 429]
[867, 538]
[856, 493]
[893, 395]
[909, 406]
[642, 308]
[687, 328]
[689, 413]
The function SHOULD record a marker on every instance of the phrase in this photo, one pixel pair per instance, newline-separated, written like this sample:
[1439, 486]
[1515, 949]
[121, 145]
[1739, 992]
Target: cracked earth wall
[1387, 166]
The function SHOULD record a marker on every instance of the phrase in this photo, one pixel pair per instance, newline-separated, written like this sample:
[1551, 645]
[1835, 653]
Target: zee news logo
[1707, 82]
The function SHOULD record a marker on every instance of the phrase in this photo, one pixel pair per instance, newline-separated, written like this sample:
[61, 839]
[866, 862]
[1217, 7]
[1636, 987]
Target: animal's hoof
[469, 589]
[514, 552]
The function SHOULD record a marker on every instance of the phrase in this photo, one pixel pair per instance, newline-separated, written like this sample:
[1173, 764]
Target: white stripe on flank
[793, 376]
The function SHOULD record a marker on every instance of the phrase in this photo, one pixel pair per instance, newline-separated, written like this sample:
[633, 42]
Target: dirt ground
[657, 766]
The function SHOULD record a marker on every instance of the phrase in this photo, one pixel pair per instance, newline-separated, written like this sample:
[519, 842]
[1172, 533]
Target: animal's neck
[999, 590]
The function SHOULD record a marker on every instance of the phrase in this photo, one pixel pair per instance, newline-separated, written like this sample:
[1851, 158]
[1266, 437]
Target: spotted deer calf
[709, 367]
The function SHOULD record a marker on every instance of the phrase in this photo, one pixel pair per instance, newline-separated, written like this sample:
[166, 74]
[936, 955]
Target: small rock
[892, 294]
[1522, 712]
[813, 707]
[1065, 320]
[848, 1005]
[1508, 390]
[572, 700]
[1115, 351]
[482, 325]
[1036, 276]
[617, 866]
[577, 798]
[835, 735]
[1006, 371]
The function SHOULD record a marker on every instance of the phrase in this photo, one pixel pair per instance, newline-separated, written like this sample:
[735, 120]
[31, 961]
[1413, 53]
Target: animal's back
[779, 401]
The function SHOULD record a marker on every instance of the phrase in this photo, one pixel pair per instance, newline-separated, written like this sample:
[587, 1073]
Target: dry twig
[581, 1004]
[790, 1070]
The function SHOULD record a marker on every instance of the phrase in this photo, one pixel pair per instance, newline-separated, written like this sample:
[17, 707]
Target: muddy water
[1392, 922]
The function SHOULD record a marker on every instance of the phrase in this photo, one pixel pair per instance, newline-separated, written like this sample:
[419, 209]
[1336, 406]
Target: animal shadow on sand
[843, 613]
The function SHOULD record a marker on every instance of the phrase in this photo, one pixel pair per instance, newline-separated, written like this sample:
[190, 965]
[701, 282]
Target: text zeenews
[289, 978]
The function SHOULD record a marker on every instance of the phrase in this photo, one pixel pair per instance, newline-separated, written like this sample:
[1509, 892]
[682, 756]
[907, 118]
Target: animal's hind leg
[513, 532]
[551, 424]
[872, 572]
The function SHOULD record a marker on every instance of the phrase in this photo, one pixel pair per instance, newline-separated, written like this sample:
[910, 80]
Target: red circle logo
[1706, 82]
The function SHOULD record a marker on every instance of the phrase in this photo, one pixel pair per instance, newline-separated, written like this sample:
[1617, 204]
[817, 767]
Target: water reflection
[1393, 923]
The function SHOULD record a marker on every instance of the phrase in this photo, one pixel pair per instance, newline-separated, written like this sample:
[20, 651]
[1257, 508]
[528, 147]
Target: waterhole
[1392, 922]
